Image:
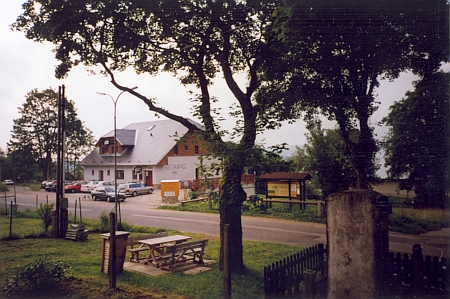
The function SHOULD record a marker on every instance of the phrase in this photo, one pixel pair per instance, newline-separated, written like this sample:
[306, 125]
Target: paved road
[142, 210]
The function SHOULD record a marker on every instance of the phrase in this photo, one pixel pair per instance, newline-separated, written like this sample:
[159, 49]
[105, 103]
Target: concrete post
[358, 243]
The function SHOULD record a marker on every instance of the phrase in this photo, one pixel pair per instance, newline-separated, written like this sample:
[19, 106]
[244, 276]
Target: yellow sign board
[281, 189]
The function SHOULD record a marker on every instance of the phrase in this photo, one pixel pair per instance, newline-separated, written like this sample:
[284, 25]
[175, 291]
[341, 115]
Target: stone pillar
[358, 243]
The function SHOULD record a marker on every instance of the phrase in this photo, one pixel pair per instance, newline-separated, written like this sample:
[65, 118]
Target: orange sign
[170, 188]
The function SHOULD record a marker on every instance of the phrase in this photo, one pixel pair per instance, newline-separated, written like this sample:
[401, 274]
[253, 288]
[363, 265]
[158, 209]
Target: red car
[74, 186]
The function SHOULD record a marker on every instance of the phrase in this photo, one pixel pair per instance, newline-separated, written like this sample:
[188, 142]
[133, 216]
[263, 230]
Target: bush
[104, 222]
[45, 213]
[36, 276]
[254, 204]
[193, 195]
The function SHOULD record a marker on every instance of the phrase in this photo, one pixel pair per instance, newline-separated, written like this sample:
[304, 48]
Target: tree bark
[232, 195]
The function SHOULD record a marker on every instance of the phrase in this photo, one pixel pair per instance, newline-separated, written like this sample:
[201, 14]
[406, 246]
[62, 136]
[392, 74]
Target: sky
[28, 65]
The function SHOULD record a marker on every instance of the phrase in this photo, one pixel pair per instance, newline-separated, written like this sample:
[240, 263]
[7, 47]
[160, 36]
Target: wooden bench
[182, 252]
[134, 241]
[196, 200]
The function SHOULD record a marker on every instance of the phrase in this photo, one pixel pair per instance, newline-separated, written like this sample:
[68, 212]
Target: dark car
[107, 193]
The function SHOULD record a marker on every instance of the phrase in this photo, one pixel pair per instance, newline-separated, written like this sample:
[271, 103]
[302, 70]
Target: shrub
[45, 213]
[36, 276]
[193, 194]
[104, 222]
[254, 204]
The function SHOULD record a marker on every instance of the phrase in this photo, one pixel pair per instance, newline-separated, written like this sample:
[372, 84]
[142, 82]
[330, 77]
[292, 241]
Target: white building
[149, 152]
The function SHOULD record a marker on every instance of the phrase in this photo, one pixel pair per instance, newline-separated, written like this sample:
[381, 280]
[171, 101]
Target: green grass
[418, 221]
[85, 279]
[404, 217]
[278, 210]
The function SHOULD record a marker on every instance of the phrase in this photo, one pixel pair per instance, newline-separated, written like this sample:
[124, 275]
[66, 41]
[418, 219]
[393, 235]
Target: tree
[323, 156]
[335, 53]
[264, 160]
[418, 142]
[197, 40]
[34, 135]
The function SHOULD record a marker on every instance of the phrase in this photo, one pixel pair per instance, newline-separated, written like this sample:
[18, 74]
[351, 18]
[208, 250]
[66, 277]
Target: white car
[8, 182]
[88, 187]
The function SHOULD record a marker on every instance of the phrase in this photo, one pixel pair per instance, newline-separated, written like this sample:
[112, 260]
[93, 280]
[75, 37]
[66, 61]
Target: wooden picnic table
[157, 246]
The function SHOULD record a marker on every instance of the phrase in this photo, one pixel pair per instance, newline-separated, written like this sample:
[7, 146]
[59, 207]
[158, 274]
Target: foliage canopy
[418, 142]
[334, 54]
[33, 142]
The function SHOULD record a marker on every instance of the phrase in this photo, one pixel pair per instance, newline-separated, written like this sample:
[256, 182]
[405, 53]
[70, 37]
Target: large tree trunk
[232, 195]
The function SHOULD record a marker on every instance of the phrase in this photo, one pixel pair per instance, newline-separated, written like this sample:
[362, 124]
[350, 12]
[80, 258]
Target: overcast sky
[27, 65]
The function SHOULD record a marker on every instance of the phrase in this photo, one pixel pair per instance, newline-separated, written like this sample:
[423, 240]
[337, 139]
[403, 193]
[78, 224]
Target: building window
[120, 174]
[185, 148]
[104, 150]
[108, 172]
[93, 171]
[175, 150]
[196, 149]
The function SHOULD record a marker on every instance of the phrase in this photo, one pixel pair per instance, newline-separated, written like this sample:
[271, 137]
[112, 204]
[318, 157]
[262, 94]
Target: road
[141, 210]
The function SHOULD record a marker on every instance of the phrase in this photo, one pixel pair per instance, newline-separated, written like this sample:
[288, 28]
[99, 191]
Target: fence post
[310, 277]
[416, 268]
[10, 220]
[226, 265]
[112, 251]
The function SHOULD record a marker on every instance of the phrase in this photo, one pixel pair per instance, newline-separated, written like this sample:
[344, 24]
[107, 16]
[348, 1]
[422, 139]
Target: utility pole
[60, 213]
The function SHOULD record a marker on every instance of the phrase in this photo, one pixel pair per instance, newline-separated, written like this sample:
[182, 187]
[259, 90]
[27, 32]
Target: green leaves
[418, 143]
[37, 276]
[34, 135]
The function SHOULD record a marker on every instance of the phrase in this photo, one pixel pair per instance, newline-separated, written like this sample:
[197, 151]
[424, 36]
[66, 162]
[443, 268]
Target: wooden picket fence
[296, 276]
[418, 274]
[304, 274]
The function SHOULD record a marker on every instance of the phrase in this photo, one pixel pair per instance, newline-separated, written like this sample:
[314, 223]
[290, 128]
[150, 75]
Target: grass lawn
[403, 219]
[85, 280]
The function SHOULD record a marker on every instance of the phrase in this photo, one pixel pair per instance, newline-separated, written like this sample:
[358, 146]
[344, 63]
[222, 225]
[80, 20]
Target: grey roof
[124, 137]
[152, 141]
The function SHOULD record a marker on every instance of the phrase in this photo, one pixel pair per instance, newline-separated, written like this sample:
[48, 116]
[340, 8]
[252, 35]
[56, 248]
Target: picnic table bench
[134, 241]
[183, 252]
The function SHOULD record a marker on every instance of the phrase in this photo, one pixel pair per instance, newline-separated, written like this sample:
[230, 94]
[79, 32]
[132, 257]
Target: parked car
[74, 186]
[107, 193]
[51, 185]
[133, 189]
[43, 184]
[88, 187]
[8, 182]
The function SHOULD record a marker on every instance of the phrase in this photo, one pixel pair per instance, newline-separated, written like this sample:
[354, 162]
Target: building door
[149, 178]
[100, 175]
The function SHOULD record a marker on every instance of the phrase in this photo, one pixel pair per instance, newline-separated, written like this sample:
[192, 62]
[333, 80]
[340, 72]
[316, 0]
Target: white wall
[178, 168]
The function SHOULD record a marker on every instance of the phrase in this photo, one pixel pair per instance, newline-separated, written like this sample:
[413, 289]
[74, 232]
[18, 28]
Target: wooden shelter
[285, 184]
